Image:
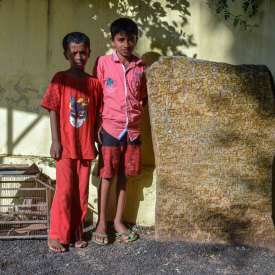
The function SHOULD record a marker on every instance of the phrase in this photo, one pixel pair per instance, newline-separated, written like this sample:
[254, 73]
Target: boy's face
[124, 44]
[78, 55]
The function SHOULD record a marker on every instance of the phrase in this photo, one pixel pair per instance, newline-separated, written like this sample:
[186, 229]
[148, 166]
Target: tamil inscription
[213, 129]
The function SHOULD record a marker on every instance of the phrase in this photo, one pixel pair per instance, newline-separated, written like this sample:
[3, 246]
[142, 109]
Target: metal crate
[25, 202]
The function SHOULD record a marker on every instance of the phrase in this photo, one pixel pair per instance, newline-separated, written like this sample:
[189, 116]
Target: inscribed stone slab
[213, 128]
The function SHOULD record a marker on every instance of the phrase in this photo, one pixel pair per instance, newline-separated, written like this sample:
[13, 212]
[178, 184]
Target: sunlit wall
[31, 53]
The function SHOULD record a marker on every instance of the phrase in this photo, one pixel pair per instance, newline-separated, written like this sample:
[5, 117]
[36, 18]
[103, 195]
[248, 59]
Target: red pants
[70, 199]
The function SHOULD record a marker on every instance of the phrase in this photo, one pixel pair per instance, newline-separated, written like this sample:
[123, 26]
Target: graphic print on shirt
[78, 111]
[111, 85]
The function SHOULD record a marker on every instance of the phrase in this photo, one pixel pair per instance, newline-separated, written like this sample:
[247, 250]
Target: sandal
[125, 234]
[98, 234]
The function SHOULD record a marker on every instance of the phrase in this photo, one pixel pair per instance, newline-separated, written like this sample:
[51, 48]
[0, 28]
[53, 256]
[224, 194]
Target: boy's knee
[109, 180]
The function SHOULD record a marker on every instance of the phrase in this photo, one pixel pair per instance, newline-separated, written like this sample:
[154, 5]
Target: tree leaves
[249, 7]
[246, 5]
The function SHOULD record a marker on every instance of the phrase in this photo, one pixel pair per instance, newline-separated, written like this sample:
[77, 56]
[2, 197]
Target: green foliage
[249, 7]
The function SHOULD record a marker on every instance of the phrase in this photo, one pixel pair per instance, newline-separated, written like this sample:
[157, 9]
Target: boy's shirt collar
[135, 59]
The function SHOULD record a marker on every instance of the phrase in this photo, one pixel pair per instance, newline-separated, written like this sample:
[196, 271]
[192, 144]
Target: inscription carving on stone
[213, 129]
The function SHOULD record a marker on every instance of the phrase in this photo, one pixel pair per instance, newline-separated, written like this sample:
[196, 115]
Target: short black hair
[124, 25]
[76, 37]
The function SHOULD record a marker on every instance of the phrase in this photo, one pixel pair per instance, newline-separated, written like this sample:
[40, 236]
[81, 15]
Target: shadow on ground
[145, 256]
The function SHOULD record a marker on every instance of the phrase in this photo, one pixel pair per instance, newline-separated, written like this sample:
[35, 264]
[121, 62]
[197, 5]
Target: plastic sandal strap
[98, 234]
[125, 234]
[133, 238]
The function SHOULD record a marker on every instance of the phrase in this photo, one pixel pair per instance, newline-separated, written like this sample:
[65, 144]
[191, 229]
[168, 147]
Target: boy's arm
[56, 147]
[51, 102]
[98, 120]
[99, 134]
[98, 128]
[98, 125]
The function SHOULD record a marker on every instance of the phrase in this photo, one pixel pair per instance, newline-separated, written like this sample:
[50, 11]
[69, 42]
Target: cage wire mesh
[24, 207]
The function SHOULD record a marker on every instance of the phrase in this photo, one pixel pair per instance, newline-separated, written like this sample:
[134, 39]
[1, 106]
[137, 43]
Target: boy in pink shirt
[121, 75]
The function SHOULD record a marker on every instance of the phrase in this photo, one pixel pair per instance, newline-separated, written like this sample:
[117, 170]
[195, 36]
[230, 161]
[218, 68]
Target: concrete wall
[31, 53]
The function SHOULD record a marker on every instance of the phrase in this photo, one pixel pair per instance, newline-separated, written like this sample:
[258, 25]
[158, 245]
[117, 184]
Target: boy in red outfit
[73, 100]
[121, 75]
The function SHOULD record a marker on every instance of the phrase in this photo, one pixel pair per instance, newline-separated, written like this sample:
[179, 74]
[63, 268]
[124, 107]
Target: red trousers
[70, 200]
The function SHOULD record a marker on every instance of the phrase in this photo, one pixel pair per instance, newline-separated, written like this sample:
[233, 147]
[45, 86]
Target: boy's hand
[56, 147]
[56, 150]
[99, 134]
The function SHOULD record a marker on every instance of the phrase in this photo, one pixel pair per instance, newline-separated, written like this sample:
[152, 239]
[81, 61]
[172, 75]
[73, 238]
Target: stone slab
[213, 129]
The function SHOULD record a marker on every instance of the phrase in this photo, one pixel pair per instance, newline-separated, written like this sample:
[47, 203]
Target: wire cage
[25, 202]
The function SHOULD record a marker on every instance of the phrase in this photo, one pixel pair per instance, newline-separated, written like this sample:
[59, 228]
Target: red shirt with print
[77, 103]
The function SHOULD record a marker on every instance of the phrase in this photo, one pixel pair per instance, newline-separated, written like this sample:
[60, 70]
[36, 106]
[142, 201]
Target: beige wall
[31, 53]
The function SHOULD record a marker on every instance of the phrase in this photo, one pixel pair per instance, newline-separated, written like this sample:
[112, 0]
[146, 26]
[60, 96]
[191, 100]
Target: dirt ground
[145, 256]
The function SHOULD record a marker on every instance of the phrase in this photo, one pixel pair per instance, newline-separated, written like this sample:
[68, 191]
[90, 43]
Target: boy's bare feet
[55, 245]
[119, 227]
[80, 244]
[101, 229]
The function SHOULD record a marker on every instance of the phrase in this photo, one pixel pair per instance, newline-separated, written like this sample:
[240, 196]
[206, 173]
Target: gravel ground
[145, 256]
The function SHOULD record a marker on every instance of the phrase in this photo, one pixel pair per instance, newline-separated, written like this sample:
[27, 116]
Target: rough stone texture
[213, 128]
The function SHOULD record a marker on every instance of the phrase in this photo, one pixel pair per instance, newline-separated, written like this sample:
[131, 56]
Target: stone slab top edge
[252, 67]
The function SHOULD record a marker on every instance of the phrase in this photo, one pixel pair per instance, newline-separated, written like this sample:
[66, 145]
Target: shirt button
[128, 114]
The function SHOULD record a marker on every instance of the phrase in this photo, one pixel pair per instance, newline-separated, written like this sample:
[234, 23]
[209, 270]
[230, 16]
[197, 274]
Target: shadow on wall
[273, 163]
[134, 196]
[161, 31]
[165, 37]
[147, 145]
[155, 20]
[255, 47]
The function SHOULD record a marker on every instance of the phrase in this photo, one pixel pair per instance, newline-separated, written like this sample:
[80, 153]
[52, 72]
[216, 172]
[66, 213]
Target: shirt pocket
[110, 85]
[135, 85]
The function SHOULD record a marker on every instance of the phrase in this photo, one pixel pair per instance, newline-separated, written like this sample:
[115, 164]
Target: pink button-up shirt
[123, 91]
